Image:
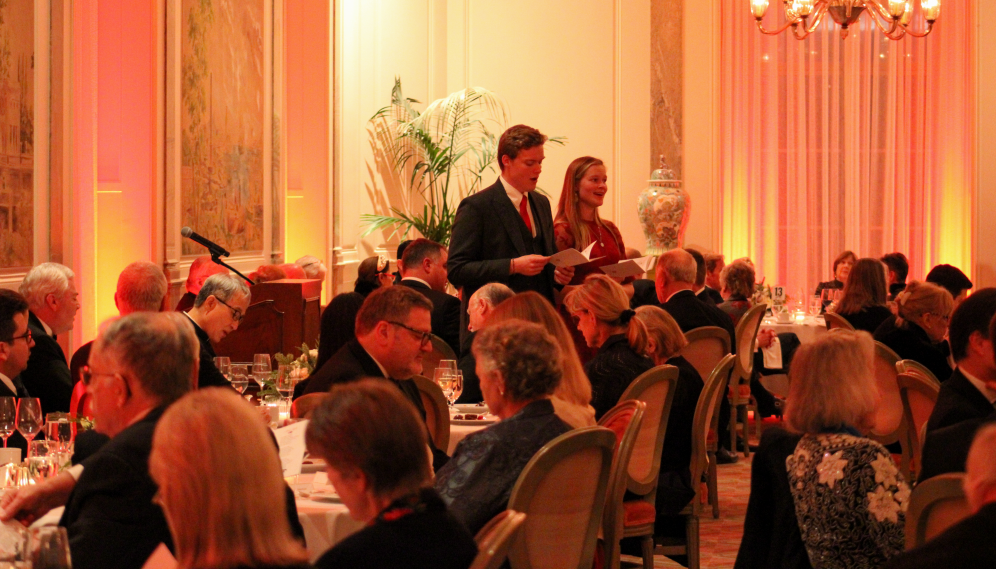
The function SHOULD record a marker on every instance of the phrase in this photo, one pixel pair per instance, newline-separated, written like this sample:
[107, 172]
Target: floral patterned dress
[850, 500]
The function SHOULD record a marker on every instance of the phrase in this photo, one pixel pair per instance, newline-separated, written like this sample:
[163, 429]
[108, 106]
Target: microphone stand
[216, 257]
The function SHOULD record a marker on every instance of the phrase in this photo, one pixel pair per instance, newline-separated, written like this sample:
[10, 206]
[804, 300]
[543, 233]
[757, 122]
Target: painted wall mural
[223, 121]
[17, 77]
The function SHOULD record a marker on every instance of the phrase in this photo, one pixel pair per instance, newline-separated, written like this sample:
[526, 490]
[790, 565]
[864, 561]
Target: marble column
[665, 84]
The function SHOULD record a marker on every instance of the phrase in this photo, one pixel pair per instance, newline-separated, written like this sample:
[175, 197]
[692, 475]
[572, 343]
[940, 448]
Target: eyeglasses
[89, 375]
[26, 336]
[424, 337]
[236, 313]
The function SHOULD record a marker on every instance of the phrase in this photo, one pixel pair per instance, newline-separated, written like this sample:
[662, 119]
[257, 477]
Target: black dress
[674, 485]
[414, 532]
[477, 481]
[912, 343]
[869, 318]
[611, 371]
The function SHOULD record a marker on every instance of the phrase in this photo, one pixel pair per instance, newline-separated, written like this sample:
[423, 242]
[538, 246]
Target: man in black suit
[482, 304]
[971, 390]
[675, 280]
[138, 366]
[898, 268]
[424, 269]
[200, 270]
[393, 330]
[714, 266]
[15, 348]
[217, 312]
[699, 287]
[505, 232]
[968, 543]
[53, 302]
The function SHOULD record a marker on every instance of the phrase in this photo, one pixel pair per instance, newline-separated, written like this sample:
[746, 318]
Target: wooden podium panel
[283, 314]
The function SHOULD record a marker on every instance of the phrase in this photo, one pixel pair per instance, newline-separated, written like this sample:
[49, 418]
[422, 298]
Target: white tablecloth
[325, 524]
[808, 330]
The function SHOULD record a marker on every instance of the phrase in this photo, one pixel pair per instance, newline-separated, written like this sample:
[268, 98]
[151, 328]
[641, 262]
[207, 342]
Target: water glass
[285, 383]
[29, 418]
[445, 378]
[815, 305]
[224, 365]
[457, 387]
[48, 548]
[8, 418]
[60, 431]
[448, 364]
[239, 377]
[261, 368]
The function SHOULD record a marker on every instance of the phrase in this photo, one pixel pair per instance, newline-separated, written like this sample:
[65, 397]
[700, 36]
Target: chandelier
[803, 16]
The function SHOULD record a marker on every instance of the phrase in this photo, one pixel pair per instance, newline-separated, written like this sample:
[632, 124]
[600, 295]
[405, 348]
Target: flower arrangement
[301, 366]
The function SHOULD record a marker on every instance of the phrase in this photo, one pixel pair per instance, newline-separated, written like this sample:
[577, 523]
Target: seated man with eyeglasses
[217, 312]
[393, 331]
[15, 347]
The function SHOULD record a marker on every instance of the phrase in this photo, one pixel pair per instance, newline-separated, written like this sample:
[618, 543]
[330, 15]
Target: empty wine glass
[29, 418]
[815, 305]
[261, 368]
[285, 384]
[239, 377]
[8, 418]
[224, 365]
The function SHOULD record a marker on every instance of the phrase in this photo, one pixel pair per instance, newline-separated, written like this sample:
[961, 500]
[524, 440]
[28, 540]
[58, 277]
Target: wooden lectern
[283, 314]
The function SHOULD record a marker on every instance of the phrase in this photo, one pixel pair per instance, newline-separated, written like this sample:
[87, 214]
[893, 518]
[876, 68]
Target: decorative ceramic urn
[664, 209]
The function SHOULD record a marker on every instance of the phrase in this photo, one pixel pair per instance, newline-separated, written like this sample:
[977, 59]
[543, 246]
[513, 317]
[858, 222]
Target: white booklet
[290, 439]
[573, 257]
[630, 267]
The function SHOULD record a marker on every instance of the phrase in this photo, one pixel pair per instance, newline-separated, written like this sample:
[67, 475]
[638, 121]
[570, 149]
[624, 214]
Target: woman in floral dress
[823, 495]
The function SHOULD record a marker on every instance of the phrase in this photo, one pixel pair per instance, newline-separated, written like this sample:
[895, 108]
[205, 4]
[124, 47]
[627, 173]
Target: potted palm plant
[440, 156]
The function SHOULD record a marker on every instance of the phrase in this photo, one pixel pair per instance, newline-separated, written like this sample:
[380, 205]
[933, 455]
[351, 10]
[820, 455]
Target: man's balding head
[676, 270]
[142, 287]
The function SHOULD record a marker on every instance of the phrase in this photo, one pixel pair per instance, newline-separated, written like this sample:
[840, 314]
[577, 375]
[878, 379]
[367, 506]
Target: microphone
[216, 250]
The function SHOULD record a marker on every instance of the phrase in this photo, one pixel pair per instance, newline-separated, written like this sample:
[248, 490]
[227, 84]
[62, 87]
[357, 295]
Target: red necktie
[524, 212]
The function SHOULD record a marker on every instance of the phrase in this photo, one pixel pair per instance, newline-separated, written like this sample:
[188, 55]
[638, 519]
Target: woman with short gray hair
[518, 363]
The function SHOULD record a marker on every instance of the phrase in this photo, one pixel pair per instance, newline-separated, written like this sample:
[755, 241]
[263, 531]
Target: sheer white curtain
[863, 144]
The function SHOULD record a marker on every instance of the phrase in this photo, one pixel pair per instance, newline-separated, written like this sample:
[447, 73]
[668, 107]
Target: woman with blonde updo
[918, 333]
[601, 307]
[572, 398]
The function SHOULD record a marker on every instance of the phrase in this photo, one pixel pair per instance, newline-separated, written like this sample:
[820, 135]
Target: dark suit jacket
[468, 365]
[913, 343]
[690, 313]
[713, 295]
[644, 294]
[47, 375]
[186, 302]
[487, 234]
[16, 440]
[946, 449]
[352, 362]
[80, 358]
[208, 374]
[110, 518]
[445, 313]
[969, 543]
[958, 401]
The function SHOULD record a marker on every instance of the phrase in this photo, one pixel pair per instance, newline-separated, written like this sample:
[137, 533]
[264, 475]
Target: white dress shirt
[516, 196]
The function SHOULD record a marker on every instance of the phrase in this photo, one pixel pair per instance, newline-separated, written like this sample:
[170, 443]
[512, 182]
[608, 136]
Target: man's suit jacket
[644, 294]
[445, 313]
[969, 543]
[488, 233]
[208, 374]
[710, 295]
[47, 375]
[946, 449]
[690, 312]
[110, 517]
[80, 358]
[351, 363]
[958, 401]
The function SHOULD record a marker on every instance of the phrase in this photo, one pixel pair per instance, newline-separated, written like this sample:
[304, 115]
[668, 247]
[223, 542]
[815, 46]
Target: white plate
[470, 408]
[473, 422]
[327, 496]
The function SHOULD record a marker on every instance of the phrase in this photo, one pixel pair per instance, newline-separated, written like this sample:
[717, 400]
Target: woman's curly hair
[526, 356]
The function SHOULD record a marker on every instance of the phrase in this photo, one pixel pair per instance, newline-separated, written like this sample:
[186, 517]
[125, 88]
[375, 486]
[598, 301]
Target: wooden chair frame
[836, 321]
[302, 407]
[437, 412]
[885, 360]
[532, 482]
[917, 368]
[706, 335]
[705, 409]
[912, 386]
[746, 331]
[614, 515]
[440, 351]
[495, 538]
[924, 500]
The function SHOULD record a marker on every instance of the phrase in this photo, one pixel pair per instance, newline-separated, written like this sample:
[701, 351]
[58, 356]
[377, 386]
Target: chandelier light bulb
[758, 8]
[907, 16]
[897, 8]
[803, 7]
[931, 9]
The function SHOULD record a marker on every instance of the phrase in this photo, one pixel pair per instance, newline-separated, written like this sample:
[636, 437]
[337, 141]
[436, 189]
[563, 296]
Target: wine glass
[224, 365]
[445, 378]
[8, 418]
[29, 418]
[239, 377]
[815, 305]
[59, 431]
[457, 386]
[285, 384]
[448, 364]
[261, 368]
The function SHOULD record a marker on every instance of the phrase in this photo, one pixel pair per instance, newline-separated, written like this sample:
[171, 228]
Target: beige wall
[578, 69]
[985, 205]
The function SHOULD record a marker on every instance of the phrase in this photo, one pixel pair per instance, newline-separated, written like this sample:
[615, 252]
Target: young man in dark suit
[423, 268]
[53, 301]
[504, 233]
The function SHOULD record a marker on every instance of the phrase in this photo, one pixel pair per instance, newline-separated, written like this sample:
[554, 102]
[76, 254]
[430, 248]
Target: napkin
[773, 355]
[573, 257]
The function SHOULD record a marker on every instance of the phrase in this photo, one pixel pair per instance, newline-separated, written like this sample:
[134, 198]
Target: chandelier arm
[876, 9]
[817, 17]
[800, 35]
[910, 31]
[760, 26]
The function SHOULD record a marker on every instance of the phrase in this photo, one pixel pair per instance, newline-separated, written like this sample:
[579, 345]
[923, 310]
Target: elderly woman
[604, 317]
[221, 485]
[841, 269]
[822, 495]
[736, 286]
[664, 344]
[518, 364]
[572, 398]
[375, 445]
[919, 331]
[373, 273]
[863, 301]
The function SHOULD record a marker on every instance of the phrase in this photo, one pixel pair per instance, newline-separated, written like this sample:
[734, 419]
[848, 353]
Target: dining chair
[706, 347]
[440, 351]
[935, 505]
[302, 407]
[706, 408]
[437, 412]
[741, 401]
[79, 402]
[915, 367]
[836, 321]
[919, 395]
[888, 417]
[495, 538]
[562, 492]
[624, 420]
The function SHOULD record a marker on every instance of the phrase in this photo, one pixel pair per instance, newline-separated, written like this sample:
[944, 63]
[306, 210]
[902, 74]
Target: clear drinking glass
[59, 431]
[261, 368]
[29, 418]
[239, 377]
[815, 305]
[285, 384]
[40, 464]
[448, 364]
[445, 378]
[8, 418]
[224, 365]
[48, 548]
[457, 387]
